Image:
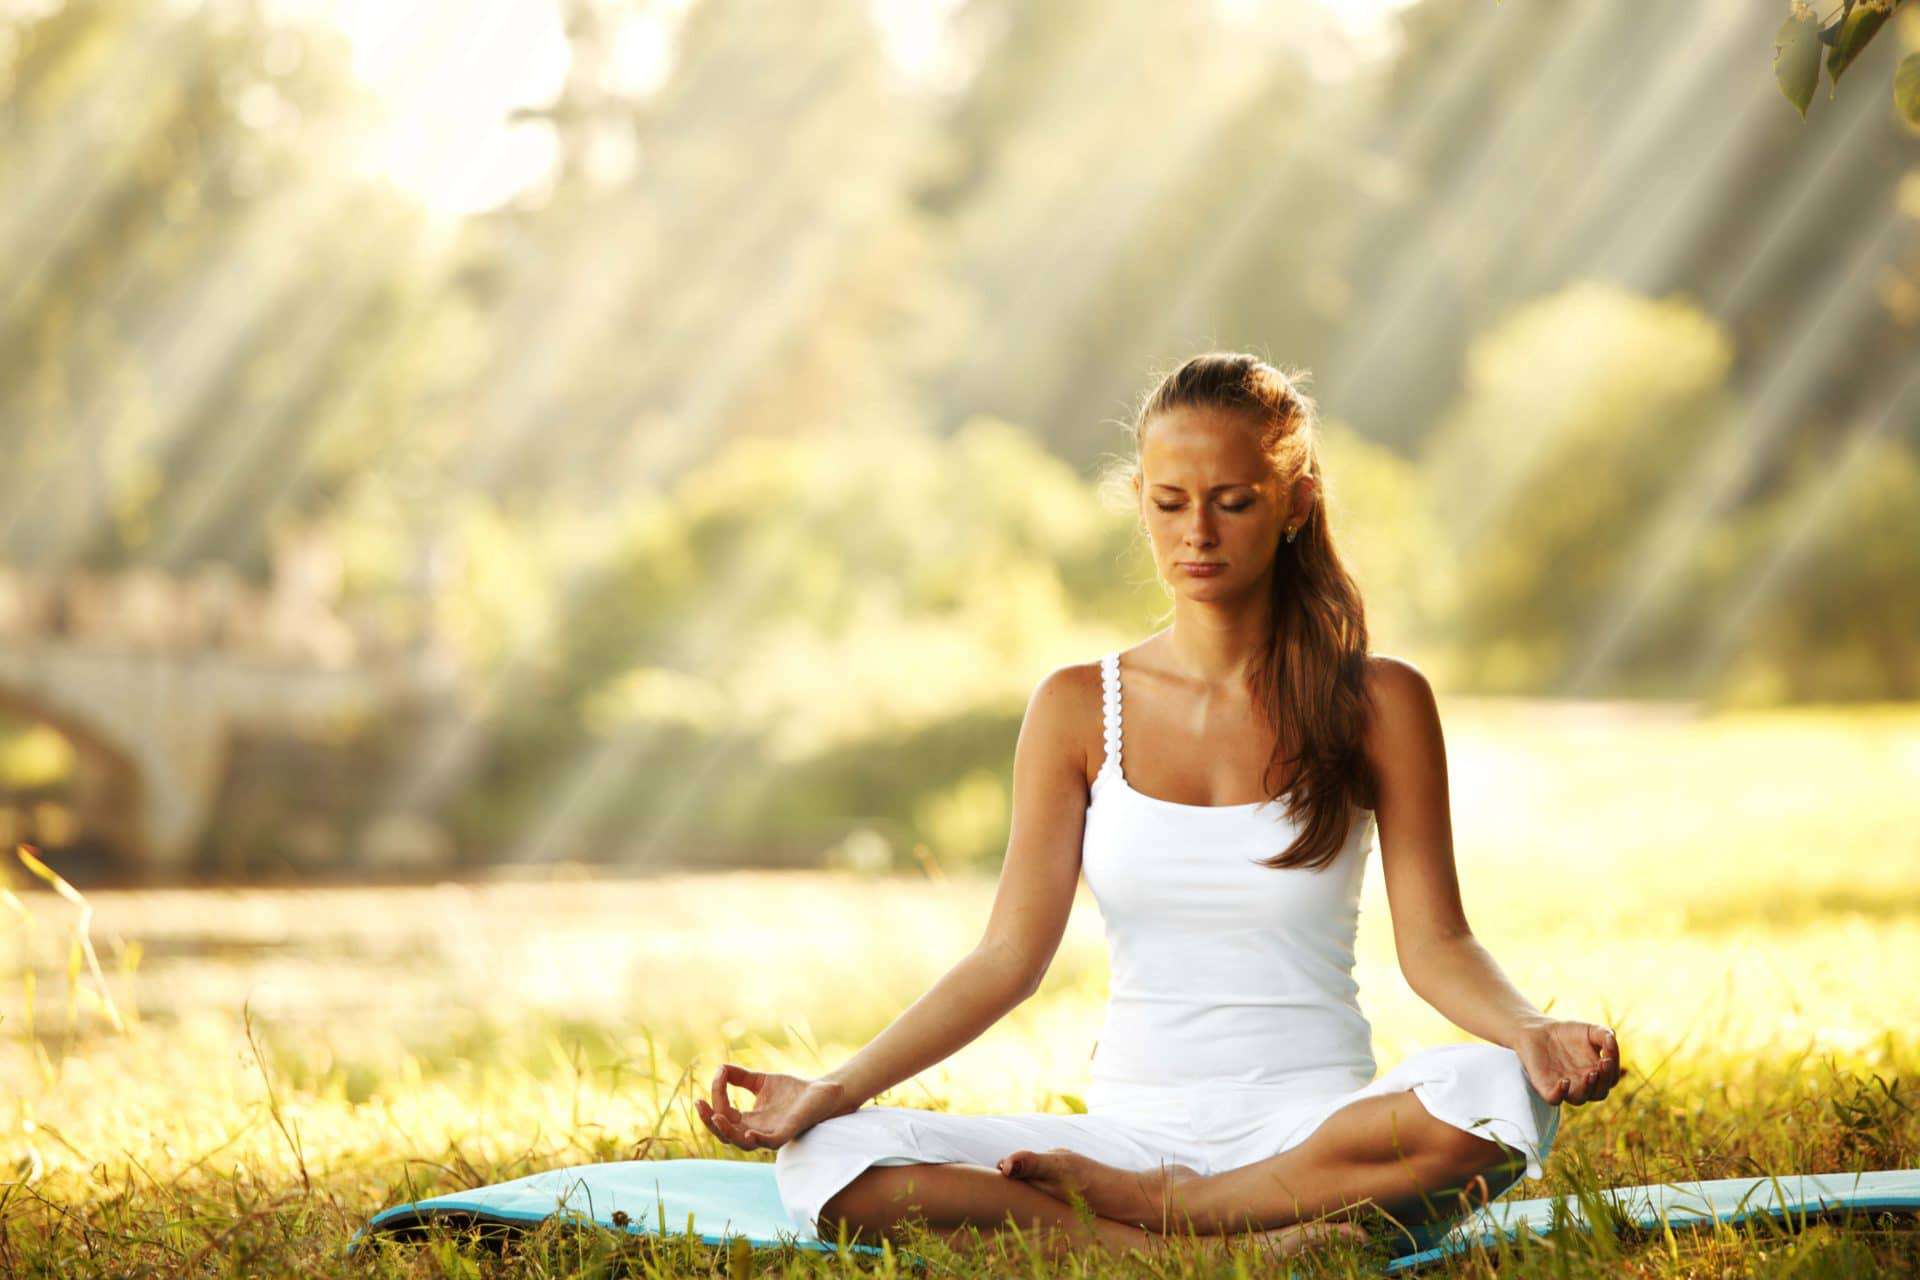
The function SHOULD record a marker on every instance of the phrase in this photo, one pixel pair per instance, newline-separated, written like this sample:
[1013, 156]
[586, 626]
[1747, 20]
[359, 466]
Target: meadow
[252, 1073]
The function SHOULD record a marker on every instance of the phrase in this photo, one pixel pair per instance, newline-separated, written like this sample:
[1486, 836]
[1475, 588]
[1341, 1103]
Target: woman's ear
[1305, 494]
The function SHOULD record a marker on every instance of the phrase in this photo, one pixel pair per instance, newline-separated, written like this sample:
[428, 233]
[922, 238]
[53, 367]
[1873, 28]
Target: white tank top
[1222, 971]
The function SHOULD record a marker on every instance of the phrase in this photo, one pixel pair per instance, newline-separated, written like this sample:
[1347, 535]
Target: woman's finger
[718, 1122]
[712, 1120]
[730, 1130]
[706, 1118]
[753, 1081]
[717, 1093]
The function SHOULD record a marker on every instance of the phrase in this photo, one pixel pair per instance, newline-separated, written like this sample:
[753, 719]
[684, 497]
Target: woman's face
[1214, 510]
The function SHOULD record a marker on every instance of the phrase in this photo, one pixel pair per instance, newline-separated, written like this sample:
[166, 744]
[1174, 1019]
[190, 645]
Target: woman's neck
[1216, 645]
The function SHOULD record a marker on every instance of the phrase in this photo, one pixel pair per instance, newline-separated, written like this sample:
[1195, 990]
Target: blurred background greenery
[669, 434]
[529, 527]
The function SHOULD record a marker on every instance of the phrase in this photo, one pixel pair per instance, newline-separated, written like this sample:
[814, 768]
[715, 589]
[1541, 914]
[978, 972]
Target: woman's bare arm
[1443, 961]
[1030, 907]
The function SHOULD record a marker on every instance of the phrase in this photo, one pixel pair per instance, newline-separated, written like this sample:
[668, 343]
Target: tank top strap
[1110, 711]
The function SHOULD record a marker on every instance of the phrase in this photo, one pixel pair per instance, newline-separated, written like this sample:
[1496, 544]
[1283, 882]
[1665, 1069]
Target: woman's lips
[1203, 568]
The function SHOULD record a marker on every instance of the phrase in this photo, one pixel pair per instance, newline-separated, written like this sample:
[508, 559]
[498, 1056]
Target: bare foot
[1135, 1196]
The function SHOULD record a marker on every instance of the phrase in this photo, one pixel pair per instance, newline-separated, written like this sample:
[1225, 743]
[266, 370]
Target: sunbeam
[1442, 92]
[1673, 95]
[1402, 306]
[77, 158]
[1668, 538]
[1897, 409]
[1801, 205]
[191, 340]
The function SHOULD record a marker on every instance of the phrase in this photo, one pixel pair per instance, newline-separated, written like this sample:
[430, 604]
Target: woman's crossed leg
[1387, 1152]
[961, 1202]
[871, 1172]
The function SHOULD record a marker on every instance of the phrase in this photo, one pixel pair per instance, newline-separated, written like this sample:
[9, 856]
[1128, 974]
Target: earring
[1292, 532]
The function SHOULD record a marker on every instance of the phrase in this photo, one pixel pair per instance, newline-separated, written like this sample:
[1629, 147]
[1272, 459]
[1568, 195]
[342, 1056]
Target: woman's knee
[840, 1156]
[850, 1209]
[1441, 1148]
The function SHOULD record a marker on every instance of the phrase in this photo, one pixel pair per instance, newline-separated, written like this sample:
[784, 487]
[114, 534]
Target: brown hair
[1309, 684]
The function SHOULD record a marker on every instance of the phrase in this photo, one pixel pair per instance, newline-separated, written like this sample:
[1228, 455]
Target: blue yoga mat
[717, 1200]
[1686, 1204]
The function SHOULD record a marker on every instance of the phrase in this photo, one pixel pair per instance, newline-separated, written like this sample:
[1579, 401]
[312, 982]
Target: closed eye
[1223, 506]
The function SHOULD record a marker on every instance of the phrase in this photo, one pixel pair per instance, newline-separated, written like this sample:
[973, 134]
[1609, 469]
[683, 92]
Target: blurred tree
[740, 273]
[1580, 411]
[213, 316]
[1828, 581]
[1382, 511]
[855, 617]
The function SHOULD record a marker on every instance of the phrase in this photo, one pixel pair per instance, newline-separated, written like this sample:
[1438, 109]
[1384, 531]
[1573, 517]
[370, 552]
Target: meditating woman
[1233, 1082]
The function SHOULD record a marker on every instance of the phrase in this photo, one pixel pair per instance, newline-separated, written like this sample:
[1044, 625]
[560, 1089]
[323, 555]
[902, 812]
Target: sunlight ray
[1533, 189]
[76, 159]
[452, 754]
[596, 769]
[1689, 64]
[1527, 125]
[1898, 409]
[1065, 266]
[434, 142]
[1761, 414]
[732, 233]
[1443, 88]
[255, 431]
[1024, 278]
[193, 337]
[1648, 250]
[707, 398]
[1798, 205]
[643, 849]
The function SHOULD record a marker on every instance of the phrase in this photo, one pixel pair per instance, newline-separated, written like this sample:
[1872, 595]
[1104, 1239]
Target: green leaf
[1829, 35]
[1796, 60]
[1855, 31]
[1906, 88]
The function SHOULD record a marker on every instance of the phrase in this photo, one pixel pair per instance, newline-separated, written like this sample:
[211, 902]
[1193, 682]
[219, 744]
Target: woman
[1233, 1081]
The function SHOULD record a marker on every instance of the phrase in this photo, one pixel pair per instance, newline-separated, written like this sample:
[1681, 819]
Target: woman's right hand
[784, 1107]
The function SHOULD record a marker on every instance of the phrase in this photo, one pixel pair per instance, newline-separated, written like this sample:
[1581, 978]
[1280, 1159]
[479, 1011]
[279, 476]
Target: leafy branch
[1799, 45]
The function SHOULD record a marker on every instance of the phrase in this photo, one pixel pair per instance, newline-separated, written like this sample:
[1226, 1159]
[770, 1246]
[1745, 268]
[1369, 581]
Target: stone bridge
[147, 675]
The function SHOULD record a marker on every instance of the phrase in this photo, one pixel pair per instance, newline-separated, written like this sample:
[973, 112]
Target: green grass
[1735, 896]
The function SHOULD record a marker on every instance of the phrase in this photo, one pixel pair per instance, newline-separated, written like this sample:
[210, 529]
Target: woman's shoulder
[1401, 712]
[1395, 681]
[1066, 695]
[1064, 715]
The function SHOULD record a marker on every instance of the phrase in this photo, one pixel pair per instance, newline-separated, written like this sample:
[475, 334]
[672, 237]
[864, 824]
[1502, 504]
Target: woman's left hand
[1567, 1061]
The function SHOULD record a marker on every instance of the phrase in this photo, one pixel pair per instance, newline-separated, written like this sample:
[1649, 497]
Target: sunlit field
[1715, 889]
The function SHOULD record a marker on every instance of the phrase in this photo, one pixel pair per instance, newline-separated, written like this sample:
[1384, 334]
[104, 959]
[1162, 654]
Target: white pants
[1481, 1088]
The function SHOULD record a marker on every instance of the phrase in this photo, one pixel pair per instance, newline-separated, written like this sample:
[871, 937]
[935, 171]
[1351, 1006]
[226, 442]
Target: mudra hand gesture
[1568, 1061]
[784, 1107]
